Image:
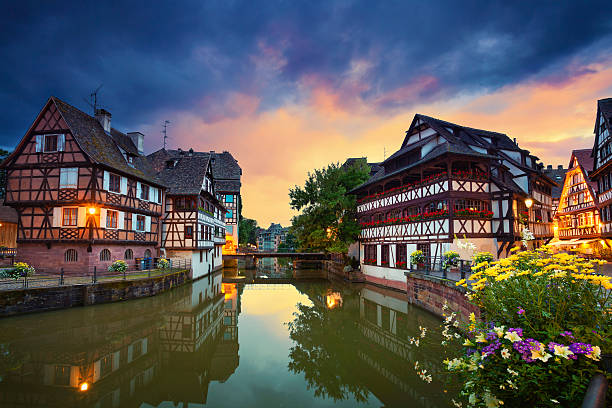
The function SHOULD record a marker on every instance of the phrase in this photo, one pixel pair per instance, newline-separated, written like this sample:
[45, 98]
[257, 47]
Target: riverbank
[31, 300]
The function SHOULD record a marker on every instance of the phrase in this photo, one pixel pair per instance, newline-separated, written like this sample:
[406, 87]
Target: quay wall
[22, 301]
[430, 292]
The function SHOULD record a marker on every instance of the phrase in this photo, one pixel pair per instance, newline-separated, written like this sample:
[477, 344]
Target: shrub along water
[546, 324]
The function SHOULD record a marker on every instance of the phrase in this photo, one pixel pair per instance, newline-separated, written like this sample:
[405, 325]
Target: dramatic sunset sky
[288, 86]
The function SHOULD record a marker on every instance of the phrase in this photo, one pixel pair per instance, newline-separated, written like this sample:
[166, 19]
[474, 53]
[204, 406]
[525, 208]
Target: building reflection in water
[166, 348]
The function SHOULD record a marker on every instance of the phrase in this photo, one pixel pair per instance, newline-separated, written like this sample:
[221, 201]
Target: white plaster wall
[384, 272]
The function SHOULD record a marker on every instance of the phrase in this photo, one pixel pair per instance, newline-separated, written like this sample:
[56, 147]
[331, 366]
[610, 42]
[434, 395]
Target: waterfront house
[84, 192]
[577, 218]
[193, 226]
[602, 165]
[227, 174]
[447, 182]
[269, 239]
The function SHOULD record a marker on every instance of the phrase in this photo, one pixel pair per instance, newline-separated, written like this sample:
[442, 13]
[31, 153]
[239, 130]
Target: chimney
[560, 167]
[191, 151]
[104, 117]
[549, 167]
[138, 140]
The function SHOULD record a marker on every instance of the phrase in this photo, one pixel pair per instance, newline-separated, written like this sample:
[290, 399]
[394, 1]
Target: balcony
[425, 229]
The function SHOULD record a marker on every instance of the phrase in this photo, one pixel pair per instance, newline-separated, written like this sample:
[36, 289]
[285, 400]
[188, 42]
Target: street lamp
[92, 210]
[528, 202]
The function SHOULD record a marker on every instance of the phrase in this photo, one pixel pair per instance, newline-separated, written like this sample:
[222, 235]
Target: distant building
[557, 175]
[269, 239]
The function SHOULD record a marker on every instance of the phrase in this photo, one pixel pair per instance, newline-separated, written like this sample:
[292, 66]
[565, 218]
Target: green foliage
[247, 231]
[328, 214]
[482, 257]
[289, 245]
[417, 257]
[163, 263]
[548, 323]
[19, 270]
[118, 266]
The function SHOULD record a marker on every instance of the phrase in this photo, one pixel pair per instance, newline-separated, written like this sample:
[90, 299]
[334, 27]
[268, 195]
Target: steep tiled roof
[605, 107]
[586, 161]
[101, 146]
[124, 141]
[186, 176]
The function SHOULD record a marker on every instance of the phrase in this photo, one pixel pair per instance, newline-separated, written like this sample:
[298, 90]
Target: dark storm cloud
[153, 56]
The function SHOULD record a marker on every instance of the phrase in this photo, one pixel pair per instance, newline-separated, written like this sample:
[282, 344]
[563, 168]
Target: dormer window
[130, 159]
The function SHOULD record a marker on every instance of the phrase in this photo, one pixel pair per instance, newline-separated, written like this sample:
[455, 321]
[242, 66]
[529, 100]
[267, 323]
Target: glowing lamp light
[92, 210]
[528, 202]
[84, 387]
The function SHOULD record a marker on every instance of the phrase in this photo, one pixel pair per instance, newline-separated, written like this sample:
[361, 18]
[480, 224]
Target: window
[402, 255]
[114, 183]
[71, 255]
[189, 231]
[129, 254]
[186, 334]
[137, 350]
[144, 192]
[425, 249]
[105, 255]
[147, 253]
[140, 223]
[229, 214]
[229, 198]
[384, 255]
[201, 256]
[70, 217]
[106, 365]
[462, 204]
[111, 219]
[370, 255]
[62, 375]
[50, 143]
[69, 177]
[229, 229]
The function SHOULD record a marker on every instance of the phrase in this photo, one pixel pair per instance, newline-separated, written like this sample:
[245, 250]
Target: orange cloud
[277, 148]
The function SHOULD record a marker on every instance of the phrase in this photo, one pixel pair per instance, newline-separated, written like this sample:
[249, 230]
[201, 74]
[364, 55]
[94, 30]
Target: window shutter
[102, 218]
[153, 194]
[134, 224]
[120, 220]
[61, 142]
[148, 223]
[123, 186]
[105, 183]
[39, 142]
[138, 189]
[57, 216]
[74, 179]
[81, 216]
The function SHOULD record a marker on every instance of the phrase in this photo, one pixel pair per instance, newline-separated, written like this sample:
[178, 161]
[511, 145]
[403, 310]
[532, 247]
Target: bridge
[311, 256]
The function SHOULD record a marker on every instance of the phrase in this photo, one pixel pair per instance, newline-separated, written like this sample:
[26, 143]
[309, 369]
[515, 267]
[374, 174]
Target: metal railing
[95, 274]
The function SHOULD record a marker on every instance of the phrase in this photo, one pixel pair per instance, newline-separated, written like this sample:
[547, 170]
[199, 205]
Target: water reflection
[343, 346]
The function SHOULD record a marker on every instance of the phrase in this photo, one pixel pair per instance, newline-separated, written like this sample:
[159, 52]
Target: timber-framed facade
[447, 182]
[602, 164]
[84, 193]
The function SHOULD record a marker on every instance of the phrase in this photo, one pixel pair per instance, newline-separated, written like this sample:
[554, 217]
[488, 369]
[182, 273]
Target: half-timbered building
[447, 182]
[84, 192]
[193, 224]
[227, 174]
[602, 164]
[577, 216]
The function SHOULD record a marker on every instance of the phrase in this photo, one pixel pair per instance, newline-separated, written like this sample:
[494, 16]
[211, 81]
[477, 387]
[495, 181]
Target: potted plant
[450, 259]
[417, 258]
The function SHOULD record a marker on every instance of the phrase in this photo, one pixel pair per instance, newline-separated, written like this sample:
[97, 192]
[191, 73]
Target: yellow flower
[461, 282]
[480, 338]
[472, 317]
[499, 331]
[512, 336]
[563, 351]
[595, 354]
[468, 342]
[540, 354]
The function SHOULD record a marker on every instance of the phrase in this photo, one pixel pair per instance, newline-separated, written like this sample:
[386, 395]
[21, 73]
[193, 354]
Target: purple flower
[491, 336]
[551, 345]
[567, 334]
[517, 330]
[581, 348]
[520, 311]
[490, 349]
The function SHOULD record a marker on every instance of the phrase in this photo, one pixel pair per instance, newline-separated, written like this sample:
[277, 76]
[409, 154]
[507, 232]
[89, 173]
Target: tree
[247, 231]
[289, 244]
[328, 222]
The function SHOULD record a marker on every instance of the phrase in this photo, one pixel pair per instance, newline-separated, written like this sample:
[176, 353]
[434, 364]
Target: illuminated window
[111, 219]
[62, 375]
[229, 198]
[69, 218]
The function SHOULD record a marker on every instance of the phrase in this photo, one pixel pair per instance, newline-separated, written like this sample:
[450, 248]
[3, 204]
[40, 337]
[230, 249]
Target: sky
[290, 86]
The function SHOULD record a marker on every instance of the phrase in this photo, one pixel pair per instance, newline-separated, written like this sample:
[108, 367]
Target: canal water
[213, 344]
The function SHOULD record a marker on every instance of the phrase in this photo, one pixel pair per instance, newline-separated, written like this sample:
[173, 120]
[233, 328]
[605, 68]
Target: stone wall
[430, 292]
[42, 299]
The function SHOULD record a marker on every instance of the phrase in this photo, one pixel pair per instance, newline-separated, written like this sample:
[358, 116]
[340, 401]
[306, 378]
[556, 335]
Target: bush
[417, 257]
[547, 323]
[118, 266]
[163, 263]
[19, 270]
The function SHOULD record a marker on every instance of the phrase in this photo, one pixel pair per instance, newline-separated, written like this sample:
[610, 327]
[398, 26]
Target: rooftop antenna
[165, 131]
[93, 99]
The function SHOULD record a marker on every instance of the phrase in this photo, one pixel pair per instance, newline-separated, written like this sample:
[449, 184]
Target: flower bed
[547, 325]
[469, 213]
[408, 219]
[403, 188]
[470, 174]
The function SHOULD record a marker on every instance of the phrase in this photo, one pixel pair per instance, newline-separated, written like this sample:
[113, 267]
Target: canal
[209, 343]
